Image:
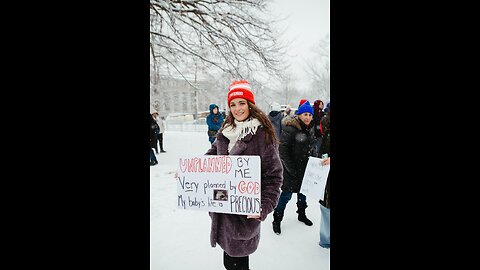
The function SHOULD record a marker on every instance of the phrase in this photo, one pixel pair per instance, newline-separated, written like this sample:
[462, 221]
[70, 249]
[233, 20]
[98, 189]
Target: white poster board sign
[222, 184]
[315, 178]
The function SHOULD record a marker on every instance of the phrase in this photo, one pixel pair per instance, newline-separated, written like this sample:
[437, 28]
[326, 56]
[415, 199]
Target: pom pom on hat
[301, 102]
[240, 89]
[306, 107]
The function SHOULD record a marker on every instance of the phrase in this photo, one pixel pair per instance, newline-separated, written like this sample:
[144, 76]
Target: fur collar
[294, 121]
[241, 130]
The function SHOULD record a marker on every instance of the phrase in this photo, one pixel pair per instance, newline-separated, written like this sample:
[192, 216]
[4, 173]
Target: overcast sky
[308, 21]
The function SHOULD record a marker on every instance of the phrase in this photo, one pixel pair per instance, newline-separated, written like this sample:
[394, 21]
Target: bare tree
[319, 69]
[233, 37]
[288, 90]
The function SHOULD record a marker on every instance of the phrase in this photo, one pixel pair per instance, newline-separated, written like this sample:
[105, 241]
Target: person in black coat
[154, 130]
[318, 114]
[276, 116]
[296, 145]
[325, 203]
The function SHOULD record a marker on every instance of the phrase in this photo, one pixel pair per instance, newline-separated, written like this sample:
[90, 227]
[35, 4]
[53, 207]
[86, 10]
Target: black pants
[235, 263]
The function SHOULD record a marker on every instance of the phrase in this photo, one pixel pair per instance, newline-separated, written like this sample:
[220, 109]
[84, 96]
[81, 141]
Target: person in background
[296, 145]
[325, 203]
[276, 117]
[326, 108]
[155, 117]
[317, 116]
[154, 130]
[162, 126]
[288, 111]
[246, 131]
[214, 122]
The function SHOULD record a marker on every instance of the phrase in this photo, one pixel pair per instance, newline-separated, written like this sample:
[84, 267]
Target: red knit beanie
[240, 89]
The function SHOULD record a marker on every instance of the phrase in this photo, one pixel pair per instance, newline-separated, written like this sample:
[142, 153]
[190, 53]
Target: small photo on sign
[220, 194]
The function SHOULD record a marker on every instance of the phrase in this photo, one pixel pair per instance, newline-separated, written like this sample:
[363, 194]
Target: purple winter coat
[237, 235]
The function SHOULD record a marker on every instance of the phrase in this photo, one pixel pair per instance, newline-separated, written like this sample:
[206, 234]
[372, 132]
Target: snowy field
[180, 239]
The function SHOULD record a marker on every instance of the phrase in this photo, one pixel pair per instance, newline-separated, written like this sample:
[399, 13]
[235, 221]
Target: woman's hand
[257, 217]
[326, 161]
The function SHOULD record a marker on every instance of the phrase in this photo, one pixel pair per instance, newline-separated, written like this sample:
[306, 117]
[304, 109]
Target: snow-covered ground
[180, 239]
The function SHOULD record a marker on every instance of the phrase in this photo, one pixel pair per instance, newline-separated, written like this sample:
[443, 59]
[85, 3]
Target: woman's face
[239, 109]
[215, 110]
[305, 117]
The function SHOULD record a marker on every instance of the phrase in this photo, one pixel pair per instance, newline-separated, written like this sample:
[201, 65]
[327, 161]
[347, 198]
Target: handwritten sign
[222, 184]
[315, 178]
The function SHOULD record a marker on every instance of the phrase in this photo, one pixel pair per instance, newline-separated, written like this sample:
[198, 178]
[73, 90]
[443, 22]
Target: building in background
[174, 95]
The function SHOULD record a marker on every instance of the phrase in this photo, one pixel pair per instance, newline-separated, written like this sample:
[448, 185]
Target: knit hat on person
[240, 89]
[301, 102]
[276, 107]
[306, 107]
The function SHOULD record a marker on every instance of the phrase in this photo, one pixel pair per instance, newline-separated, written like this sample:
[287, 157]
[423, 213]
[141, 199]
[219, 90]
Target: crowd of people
[284, 141]
[303, 134]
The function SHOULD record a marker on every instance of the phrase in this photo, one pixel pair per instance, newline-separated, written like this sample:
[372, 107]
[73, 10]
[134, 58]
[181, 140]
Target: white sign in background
[315, 178]
[222, 184]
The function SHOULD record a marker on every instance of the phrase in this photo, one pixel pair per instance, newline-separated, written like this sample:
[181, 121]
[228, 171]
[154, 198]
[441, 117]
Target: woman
[317, 116]
[296, 145]
[214, 122]
[325, 203]
[246, 131]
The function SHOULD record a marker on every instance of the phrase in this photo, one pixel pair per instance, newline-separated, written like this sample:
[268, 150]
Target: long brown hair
[257, 113]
